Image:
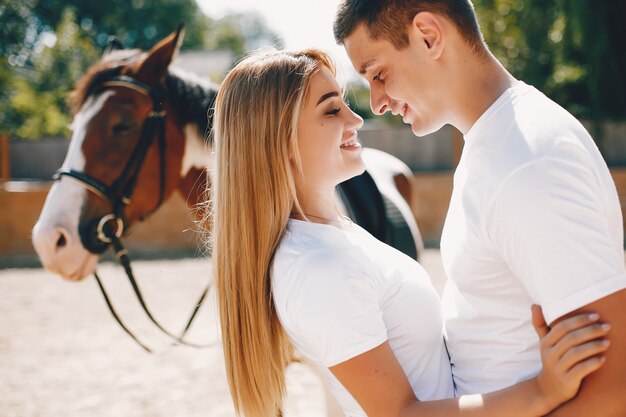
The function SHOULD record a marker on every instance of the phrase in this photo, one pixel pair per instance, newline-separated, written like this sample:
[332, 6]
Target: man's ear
[428, 29]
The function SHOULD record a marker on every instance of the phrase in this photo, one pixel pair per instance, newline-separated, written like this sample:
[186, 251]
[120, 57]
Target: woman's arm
[570, 351]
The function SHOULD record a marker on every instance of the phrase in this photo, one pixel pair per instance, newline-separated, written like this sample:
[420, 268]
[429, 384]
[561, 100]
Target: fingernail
[605, 326]
[606, 342]
[594, 316]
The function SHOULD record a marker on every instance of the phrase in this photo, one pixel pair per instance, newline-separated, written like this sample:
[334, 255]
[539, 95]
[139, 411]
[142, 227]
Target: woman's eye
[378, 77]
[333, 112]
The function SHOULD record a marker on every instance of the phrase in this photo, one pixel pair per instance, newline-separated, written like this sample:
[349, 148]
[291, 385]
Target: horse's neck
[196, 152]
[191, 100]
[192, 183]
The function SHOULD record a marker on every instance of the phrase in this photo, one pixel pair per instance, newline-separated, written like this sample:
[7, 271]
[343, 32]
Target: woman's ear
[428, 29]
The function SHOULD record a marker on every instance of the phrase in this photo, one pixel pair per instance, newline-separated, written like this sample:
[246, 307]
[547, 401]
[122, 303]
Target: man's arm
[552, 230]
[569, 352]
[603, 393]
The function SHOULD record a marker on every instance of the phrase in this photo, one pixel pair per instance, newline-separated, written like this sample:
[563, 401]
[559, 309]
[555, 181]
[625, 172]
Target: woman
[292, 272]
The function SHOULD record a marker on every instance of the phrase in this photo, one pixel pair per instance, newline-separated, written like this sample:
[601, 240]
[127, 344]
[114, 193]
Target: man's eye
[378, 77]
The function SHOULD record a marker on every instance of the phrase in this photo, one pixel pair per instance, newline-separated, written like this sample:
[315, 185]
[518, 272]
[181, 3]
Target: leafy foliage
[45, 46]
[36, 102]
[570, 49]
[241, 33]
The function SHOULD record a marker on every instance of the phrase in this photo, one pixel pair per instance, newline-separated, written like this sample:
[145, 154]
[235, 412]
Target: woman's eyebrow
[327, 96]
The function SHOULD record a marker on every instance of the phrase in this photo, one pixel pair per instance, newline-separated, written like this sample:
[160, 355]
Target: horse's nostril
[61, 242]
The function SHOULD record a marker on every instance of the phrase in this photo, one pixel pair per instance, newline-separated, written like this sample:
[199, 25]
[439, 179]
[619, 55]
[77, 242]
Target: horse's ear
[153, 68]
[113, 45]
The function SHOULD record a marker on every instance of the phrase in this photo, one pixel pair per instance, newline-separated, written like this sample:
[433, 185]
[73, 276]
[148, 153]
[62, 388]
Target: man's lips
[401, 111]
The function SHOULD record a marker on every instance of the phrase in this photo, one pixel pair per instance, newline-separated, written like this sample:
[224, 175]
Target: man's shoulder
[541, 123]
[524, 134]
[528, 128]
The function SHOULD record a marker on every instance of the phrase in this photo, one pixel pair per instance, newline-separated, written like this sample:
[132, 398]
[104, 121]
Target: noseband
[110, 227]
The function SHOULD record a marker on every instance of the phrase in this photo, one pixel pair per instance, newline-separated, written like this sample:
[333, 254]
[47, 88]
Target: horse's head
[125, 157]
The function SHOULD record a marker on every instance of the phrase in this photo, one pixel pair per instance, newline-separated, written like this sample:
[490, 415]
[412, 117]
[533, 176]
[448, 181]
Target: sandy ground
[62, 354]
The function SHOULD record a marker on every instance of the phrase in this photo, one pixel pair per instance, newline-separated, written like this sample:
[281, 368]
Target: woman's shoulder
[306, 258]
[313, 245]
[318, 260]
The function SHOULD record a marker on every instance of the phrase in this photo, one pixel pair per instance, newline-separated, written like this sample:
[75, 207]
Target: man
[534, 216]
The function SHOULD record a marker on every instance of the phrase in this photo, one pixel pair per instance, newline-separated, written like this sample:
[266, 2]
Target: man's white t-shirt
[341, 292]
[534, 218]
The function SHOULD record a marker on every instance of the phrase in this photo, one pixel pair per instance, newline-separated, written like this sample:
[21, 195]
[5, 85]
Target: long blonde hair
[253, 193]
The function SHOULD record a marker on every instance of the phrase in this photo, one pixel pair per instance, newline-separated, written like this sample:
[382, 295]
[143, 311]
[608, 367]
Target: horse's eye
[121, 128]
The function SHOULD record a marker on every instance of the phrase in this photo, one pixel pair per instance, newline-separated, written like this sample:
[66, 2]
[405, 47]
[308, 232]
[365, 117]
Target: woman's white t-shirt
[341, 292]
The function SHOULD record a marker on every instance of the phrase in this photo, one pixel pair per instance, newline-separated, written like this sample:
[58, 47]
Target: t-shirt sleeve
[548, 222]
[333, 311]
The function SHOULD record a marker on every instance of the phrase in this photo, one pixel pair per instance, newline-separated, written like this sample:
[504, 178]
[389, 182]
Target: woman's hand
[570, 350]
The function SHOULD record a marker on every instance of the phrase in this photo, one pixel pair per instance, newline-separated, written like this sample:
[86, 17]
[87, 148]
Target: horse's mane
[190, 96]
[193, 98]
[111, 65]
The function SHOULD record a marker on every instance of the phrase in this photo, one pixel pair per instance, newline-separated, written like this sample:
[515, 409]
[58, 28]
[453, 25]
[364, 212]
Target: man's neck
[482, 82]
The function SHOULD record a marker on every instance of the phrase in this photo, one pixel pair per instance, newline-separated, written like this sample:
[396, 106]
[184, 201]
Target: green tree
[570, 49]
[139, 23]
[37, 106]
[45, 46]
[241, 33]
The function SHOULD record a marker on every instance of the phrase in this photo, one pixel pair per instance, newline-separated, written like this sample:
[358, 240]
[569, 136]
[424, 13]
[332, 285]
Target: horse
[141, 131]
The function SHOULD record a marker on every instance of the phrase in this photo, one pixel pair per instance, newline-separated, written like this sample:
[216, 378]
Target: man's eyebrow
[327, 96]
[365, 66]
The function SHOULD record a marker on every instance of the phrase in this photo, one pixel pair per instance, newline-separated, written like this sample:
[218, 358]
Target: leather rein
[110, 227]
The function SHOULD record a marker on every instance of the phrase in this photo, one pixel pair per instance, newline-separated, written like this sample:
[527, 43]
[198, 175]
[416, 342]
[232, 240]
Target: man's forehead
[361, 49]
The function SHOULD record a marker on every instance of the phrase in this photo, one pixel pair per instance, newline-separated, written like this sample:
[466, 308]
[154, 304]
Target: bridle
[110, 228]
[119, 194]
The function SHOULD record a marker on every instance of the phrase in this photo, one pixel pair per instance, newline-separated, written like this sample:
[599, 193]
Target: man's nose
[379, 100]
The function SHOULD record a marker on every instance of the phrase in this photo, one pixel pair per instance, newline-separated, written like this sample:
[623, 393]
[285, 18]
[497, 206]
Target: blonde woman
[293, 273]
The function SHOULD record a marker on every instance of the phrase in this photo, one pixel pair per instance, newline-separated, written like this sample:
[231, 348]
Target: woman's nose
[356, 122]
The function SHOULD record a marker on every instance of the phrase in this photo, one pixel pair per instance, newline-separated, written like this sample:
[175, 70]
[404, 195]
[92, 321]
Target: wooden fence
[171, 230]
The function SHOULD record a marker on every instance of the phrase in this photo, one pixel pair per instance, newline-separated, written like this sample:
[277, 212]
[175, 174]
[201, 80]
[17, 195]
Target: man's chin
[422, 129]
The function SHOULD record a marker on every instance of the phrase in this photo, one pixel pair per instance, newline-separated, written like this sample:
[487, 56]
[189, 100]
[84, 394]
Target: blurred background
[570, 49]
[60, 352]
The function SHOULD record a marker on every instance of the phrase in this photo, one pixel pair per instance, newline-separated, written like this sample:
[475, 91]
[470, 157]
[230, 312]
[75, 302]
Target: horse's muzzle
[96, 234]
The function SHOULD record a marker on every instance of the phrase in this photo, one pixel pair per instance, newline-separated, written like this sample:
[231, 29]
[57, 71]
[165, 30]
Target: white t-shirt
[341, 292]
[534, 218]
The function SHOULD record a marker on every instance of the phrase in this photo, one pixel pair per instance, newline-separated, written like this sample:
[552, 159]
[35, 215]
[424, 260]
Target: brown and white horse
[140, 133]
